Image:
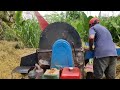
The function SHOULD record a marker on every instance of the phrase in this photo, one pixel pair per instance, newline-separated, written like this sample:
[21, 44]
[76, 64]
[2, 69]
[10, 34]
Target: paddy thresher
[60, 48]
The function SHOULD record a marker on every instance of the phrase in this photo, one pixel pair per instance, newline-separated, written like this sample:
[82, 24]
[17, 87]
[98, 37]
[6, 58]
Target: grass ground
[10, 58]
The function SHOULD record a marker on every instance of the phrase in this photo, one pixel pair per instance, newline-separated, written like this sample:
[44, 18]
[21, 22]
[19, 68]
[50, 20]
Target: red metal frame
[42, 22]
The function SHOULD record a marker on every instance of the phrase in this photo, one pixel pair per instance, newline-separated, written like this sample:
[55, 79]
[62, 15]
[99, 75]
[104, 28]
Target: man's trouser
[106, 65]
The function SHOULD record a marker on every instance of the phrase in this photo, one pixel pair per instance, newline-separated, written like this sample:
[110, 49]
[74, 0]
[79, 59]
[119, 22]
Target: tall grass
[29, 33]
[82, 26]
[25, 31]
[113, 24]
[18, 17]
[81, 23]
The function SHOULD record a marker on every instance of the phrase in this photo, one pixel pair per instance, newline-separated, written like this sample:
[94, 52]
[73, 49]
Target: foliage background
[14, 28]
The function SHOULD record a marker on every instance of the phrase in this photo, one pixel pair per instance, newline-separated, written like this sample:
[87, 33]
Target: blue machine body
[90, 54]
[61, 54]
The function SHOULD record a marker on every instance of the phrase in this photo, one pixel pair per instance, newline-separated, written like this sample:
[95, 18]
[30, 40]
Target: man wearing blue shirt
[104, 52]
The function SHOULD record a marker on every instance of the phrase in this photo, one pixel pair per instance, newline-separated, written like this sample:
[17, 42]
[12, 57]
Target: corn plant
[55, 17]
[113, 25]
[25, 31]
[82, 26]
[28, 33]
[18, 17]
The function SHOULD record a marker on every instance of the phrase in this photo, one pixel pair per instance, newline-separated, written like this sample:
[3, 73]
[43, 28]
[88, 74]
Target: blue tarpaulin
[90, 54]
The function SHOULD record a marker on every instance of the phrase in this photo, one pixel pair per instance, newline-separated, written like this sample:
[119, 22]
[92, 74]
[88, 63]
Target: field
[10, 58]
[16, 33]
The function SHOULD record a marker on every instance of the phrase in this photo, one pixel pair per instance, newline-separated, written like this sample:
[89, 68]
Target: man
[104, 52]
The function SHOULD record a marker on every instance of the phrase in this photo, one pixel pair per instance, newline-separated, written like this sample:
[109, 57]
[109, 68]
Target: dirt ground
[118, 72]
[10, 58]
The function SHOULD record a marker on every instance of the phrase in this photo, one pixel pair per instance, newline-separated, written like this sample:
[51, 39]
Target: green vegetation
[14, 28]
[25, 31]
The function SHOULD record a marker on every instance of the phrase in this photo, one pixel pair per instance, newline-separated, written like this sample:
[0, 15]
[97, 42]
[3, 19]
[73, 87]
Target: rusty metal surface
[59, 30]
[46, 54]
[29, 60]
[47, 50]
[78, 59]
[53, 32]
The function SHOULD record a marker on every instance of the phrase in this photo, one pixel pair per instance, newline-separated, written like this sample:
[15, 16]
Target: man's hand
[86, 49]
[91, 49]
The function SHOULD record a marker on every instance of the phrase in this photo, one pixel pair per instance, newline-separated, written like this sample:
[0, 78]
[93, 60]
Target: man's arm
[91, 41]
[91, 38]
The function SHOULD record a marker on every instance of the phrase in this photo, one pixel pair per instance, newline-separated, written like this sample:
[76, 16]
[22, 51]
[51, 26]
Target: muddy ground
[10, 58]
